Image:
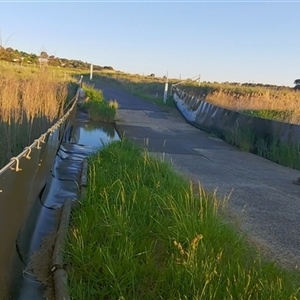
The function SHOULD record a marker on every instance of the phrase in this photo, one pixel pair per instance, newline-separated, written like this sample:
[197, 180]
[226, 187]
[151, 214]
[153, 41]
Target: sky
[234, 41]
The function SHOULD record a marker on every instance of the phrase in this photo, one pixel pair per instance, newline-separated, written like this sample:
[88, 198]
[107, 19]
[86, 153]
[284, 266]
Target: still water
[94, 134]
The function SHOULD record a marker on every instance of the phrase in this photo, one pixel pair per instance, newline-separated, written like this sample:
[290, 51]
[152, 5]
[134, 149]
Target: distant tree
[5, 54]
[108, 68]
[297, 84]
[10, 54]
[297, 81]
[97, 68]
[44, 54]
[9, 49]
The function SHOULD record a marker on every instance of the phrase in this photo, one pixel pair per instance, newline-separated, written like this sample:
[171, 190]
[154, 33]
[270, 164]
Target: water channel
[39, 210]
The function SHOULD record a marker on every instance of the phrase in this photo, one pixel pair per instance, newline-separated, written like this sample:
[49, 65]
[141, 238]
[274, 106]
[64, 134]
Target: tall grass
[30, 101]
[99, 109]
[282, 104]
[142, 232]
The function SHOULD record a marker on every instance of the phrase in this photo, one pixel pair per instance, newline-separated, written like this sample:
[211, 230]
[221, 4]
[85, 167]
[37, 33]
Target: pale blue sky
[236, 41]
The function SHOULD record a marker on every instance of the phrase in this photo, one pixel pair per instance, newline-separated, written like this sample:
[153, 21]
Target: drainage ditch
[40, 252]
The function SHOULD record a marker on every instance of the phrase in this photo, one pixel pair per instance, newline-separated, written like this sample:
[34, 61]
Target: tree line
[23, 58]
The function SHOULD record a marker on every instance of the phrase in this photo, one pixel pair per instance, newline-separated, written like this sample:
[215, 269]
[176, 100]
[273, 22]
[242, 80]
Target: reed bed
[30, 101]
[143, 232]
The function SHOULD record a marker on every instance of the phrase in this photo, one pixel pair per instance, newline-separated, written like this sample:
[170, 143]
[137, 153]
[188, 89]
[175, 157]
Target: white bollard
[91, 72]
[166, 90]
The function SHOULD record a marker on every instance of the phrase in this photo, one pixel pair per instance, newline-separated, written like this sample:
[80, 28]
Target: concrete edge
[120, 133]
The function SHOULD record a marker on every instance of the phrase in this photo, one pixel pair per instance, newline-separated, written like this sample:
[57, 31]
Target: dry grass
[245, 98]
[30, 101]
[113, 104]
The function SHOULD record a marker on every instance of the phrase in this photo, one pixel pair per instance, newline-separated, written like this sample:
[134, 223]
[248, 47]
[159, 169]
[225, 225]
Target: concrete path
[263, 200]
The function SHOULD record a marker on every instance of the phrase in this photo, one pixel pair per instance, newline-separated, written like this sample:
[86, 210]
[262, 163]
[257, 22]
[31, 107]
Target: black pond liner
[83, 139]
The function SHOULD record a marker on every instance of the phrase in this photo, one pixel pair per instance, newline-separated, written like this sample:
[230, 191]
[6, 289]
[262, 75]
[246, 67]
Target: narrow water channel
[82, 138]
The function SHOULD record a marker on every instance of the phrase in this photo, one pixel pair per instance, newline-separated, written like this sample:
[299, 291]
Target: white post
[91, 72]
[199, 79]
[166, 90]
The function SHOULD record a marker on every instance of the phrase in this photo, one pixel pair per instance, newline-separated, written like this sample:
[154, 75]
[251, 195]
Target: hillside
[20, 57]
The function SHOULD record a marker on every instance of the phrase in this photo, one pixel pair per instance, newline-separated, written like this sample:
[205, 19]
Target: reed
[30, 101]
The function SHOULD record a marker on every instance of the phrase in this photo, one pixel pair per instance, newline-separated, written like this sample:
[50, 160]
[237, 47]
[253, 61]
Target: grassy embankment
[30, 101]
[142, 232]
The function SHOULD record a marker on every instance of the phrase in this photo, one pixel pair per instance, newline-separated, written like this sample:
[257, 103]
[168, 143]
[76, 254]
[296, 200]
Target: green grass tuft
[99, 109]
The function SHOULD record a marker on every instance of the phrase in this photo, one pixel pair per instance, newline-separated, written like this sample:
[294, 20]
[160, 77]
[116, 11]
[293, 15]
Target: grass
[30, 101]
[243, 138]
[267, 147]
[146, 87]
[143, 232]
[276, 115]
[99, 109]
[276, 103]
